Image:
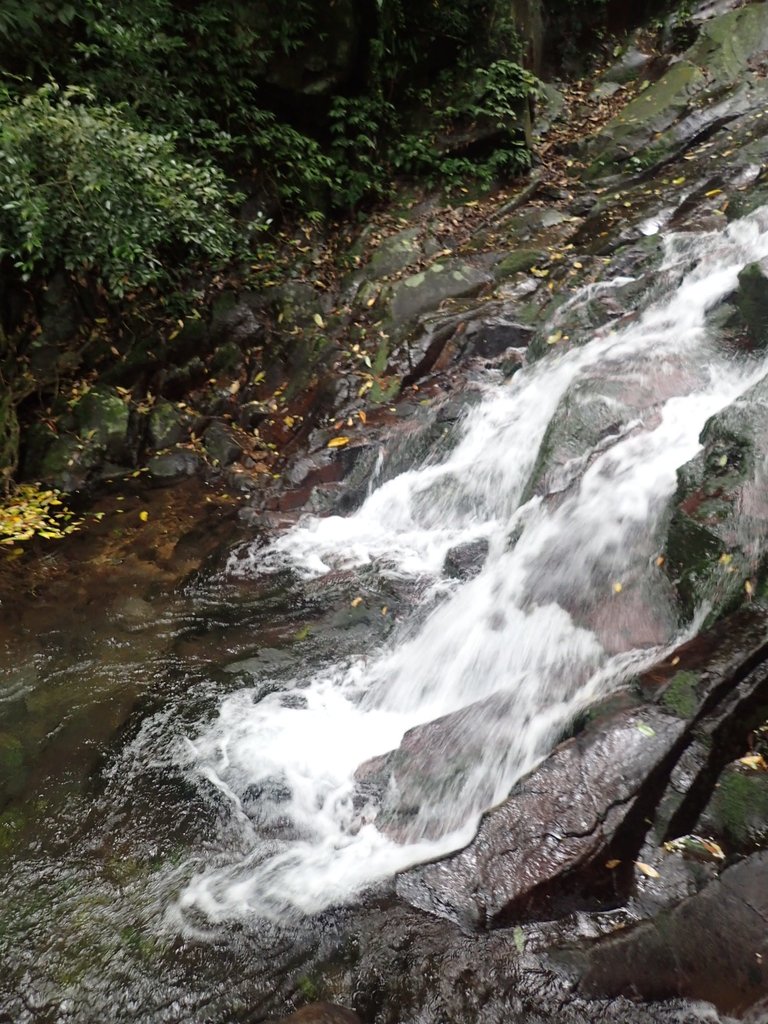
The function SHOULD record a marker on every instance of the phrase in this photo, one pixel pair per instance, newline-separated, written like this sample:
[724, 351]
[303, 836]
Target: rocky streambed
[464, 718]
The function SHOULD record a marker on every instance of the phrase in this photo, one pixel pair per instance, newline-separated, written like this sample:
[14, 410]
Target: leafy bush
[84, 189]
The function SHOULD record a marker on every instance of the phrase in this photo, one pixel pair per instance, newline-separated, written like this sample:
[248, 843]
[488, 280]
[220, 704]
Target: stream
[186, 817]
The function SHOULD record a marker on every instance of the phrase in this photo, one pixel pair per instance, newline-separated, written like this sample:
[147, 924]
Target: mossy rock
[737, 812]
[420, 293]
[519, 261]
[167, 425]
[680, 695]
[103, 417]
[727, 44]
[655, 110]
[395, 253]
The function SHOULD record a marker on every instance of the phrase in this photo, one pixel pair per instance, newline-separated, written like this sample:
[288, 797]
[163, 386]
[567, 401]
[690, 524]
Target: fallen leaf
[519, 936]
[617, 588]
[337, 442]
[356, 601]
[646, 730]
[678, 181]
[143, 515]
[362, 416]
[756, 761]
[318, 320]
[611, 864]
[647, 870]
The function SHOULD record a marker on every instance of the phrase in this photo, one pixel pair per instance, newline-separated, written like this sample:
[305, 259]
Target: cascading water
[566, 472]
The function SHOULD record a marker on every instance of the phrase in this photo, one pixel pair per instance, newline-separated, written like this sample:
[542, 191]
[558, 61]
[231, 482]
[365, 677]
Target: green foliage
[84, 189]
[230, 79]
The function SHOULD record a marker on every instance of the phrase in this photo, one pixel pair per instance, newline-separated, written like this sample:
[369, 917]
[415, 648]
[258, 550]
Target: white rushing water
[552, 620]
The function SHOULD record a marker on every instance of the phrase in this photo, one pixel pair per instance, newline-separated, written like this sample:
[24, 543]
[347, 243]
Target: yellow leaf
[143, 515]
[578, 266]
[384, 610]
[748, 587]
[318, 320]
[714, 848]
[660, 561]
[357, 601]
[725, 559]
[234, 387]
[647, 870]
[675, 660]
[611, 864]
[363, 417]
[755, 761]
[537, 272]
[337, 442]
[617, 588]
[713, 192]
[678, 181]
[554, 338]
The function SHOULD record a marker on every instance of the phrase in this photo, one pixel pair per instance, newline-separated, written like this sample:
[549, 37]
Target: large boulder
[557, 823]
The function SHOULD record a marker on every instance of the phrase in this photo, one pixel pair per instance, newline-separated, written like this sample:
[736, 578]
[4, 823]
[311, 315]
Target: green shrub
[85, 190]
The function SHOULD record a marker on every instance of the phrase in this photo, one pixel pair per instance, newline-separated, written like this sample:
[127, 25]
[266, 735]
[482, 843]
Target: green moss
[11, 753]
[680, 694]
[739, 807]
[520, 260]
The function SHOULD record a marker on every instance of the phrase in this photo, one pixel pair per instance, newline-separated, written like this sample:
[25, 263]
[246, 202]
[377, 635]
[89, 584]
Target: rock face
[715, 80]
[556, 822]
[713, 946]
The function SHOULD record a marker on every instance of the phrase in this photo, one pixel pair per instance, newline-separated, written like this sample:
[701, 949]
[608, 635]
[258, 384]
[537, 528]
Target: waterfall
[567, 472]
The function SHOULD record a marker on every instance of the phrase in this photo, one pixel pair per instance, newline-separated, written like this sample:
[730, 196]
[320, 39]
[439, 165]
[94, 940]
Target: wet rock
[167, 425]
[466, 560]
[102, 417]
[492, 337]
[417, 786]
[737, 813]
[530, 851]
[713, 946]
[715, 541]
[719, 684]
[752, 300]
[236, 323]
[69, 463]
[174, 465]
[321, 1013]
[425, 291]
[221, 444]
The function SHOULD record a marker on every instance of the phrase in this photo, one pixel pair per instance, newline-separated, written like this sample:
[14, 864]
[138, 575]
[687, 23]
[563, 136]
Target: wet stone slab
[556, 821]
